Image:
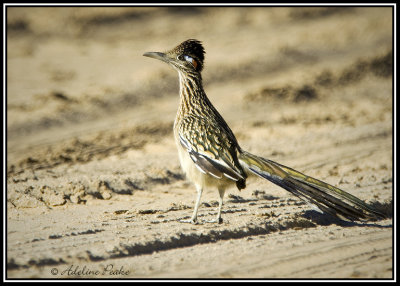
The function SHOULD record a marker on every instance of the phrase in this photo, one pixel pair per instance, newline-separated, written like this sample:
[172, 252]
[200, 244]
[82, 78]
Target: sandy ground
[94, 186]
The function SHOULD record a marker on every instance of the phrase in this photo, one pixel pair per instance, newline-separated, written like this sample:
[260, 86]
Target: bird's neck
[192, 95]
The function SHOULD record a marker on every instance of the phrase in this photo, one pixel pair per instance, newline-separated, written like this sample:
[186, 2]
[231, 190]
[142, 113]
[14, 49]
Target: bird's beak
[159, 56]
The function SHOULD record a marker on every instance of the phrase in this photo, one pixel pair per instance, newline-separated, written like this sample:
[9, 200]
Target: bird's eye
[188, 59]
[191, 60]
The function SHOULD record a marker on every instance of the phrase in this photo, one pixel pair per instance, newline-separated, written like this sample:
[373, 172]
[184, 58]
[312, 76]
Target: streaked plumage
[211, 156]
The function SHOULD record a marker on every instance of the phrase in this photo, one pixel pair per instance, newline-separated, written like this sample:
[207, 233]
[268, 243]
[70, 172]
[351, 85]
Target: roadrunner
[211, 156]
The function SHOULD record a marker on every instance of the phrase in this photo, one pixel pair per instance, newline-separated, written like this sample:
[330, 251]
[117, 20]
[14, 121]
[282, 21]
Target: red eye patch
[194, 63]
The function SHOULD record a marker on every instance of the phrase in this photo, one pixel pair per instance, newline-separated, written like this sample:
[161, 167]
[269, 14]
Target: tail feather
[325, 197]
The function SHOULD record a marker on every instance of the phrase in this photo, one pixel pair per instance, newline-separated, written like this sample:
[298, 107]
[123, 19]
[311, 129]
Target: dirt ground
[94, 186]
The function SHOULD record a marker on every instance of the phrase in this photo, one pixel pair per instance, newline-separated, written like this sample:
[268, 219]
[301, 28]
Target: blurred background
[73, 71]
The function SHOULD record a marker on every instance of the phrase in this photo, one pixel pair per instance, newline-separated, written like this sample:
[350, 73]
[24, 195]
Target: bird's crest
[193, 51]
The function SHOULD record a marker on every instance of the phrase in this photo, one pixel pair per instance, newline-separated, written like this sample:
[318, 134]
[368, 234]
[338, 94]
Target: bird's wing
[210, 147]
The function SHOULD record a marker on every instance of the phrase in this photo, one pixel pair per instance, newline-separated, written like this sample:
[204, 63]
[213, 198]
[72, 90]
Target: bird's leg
[218, 219]
[221, 199]
[193, 219]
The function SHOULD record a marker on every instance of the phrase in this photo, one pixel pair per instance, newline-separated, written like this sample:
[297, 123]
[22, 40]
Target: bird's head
[187, 56]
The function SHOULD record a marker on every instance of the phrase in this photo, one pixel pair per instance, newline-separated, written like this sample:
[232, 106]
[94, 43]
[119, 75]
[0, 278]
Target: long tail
[325, 197]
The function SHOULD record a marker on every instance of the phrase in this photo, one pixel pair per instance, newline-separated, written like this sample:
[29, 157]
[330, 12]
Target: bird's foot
[191, 220]
[218, 220]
